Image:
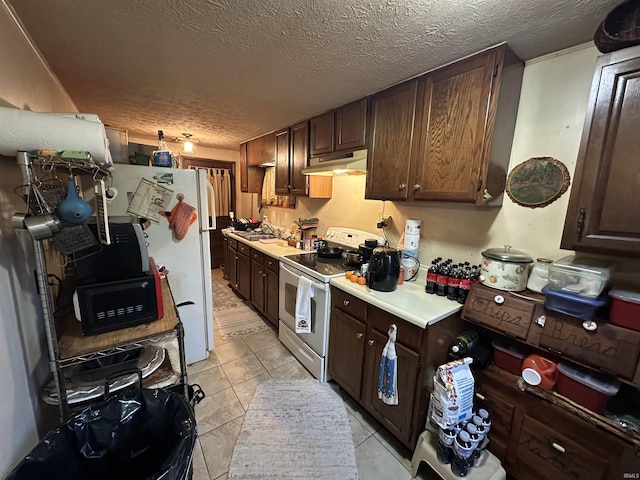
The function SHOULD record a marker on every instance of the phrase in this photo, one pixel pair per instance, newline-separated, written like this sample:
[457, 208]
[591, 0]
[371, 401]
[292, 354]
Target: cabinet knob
[558, 447]
[358, 335]
[346, 302]
[499, 299]
[264, 274]
[416, 187]
[480, 396]
[371, 342]
[402, 186]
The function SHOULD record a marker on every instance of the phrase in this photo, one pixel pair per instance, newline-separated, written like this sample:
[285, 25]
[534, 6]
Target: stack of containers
[576, 286]
[411, 249]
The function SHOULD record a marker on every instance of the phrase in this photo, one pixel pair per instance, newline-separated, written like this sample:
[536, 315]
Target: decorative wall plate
[537, 182]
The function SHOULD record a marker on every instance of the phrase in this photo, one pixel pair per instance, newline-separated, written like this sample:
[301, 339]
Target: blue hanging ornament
[73, 209]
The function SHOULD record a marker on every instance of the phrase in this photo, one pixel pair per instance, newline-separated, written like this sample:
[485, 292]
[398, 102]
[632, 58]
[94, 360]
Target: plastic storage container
[581, 276]
[625, 308]
[574, 305]
[508, 357]
[589, 389]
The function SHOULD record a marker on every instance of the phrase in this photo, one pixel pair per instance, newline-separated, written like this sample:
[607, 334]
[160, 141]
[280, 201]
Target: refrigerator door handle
[212, 213]
[208, 201]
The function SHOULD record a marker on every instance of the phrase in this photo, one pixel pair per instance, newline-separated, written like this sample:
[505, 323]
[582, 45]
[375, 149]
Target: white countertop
[408, 301]
[271, 249]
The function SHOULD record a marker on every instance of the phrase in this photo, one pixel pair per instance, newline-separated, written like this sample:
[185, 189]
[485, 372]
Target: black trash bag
[144, 435]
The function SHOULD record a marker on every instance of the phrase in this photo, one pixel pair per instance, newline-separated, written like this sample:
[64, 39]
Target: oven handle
[322, 286]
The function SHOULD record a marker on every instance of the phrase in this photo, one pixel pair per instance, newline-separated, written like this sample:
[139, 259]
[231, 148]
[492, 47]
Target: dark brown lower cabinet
[536, 438]
[358, 334]
[264, 285]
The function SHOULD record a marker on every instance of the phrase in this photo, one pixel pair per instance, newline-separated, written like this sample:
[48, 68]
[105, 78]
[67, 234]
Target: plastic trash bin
[145, 434]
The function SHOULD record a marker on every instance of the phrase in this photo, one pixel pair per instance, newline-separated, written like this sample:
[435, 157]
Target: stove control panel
[349, 237]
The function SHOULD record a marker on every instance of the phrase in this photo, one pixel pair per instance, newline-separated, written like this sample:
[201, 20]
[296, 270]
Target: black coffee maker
[384, 269]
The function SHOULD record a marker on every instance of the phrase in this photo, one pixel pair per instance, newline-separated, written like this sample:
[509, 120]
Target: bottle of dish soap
[162, 156]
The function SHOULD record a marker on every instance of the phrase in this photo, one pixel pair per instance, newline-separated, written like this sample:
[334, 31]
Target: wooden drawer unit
[232, 243]
[610, 348]
[271, 263]
[244, 248]
[407, 334]
[499, 311]
[257, 256]
[353, 306]
[555, 456]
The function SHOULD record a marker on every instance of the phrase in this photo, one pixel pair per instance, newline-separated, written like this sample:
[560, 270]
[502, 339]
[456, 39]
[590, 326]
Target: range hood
[352, 163]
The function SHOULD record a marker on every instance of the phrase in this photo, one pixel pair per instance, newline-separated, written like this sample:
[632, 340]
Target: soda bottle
[462, 449]
[442, 279]
[432, 276]
[463, 342]
[486, 419]
[475, 439]
[464, 285]
[453, 284]
[446, 437]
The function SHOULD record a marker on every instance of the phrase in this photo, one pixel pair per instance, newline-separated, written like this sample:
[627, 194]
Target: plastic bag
[147, 434]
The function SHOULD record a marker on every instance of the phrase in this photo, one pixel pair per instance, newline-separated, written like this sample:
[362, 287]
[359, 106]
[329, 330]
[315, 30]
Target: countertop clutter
[409, 301]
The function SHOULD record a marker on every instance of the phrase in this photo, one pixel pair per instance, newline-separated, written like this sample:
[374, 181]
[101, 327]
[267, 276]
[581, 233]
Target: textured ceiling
[230, 70]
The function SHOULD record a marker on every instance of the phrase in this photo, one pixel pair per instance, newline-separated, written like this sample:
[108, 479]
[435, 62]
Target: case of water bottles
[464, 444]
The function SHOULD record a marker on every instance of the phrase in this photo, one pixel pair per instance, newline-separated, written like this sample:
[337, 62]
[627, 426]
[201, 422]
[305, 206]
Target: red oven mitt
[181, 217]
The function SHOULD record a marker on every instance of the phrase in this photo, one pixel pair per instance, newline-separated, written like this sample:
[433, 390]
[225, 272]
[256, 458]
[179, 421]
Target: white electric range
[311, 348]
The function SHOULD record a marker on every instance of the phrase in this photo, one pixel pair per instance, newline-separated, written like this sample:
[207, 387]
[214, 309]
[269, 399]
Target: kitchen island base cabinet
[357, 337]
[264, 285]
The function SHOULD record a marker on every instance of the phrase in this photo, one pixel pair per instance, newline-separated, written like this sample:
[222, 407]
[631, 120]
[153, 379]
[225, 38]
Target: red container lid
[625, 295]
[512, 350]
[590, 379]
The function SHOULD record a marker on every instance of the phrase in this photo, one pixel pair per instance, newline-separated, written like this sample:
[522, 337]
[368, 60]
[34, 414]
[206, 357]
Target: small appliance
[384, 269]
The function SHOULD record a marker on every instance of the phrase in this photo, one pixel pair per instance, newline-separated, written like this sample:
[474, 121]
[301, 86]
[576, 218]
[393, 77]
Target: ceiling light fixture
[186, 140]
[188, 144]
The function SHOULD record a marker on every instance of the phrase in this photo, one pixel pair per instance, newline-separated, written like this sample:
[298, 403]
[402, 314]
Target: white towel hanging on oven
[388, 374]
[303, 305]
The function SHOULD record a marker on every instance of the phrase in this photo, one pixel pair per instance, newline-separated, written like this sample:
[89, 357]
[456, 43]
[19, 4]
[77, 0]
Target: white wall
[26, 83]
[551, 113]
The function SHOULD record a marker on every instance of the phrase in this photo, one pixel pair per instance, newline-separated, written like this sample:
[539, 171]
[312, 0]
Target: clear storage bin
[586, 277]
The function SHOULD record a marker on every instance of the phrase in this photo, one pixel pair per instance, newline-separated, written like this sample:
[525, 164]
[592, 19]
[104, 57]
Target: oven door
[319, 335]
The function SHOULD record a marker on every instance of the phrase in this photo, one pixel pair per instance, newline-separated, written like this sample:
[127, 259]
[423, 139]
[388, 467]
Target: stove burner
[324, 266]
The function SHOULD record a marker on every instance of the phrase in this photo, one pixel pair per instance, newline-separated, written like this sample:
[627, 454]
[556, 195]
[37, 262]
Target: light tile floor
[229, 378]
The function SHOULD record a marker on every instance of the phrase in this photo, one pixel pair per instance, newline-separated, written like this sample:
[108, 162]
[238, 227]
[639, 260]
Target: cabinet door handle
[558, 447]
[402, 186]
[358, 335]
[580, 223]
[346, 302]
[416, 187]
[264, 274]
[480, 396]
[371, 342]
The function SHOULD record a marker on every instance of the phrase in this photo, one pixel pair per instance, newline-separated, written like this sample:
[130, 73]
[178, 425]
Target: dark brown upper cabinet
[261, 150]
[341, 129]
[390, 142]
[462, 124]
[604, 208]
[251, 178]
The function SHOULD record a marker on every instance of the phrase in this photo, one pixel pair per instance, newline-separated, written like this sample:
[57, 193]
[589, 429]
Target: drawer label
[611, 348]
[500, 316]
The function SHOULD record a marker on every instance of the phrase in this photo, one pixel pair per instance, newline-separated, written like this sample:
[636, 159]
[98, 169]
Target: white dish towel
[303, 305]
[388, 374]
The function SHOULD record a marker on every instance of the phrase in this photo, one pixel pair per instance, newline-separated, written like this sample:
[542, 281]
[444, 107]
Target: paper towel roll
[24, 130]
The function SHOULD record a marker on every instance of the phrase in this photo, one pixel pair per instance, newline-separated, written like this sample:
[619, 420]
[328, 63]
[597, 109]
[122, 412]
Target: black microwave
[104, 307]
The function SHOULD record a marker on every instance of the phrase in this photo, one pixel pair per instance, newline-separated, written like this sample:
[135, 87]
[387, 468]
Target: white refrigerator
[187, 260]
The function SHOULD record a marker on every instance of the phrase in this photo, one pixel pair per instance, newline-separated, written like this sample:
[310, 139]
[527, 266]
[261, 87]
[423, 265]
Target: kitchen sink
[254, 237]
